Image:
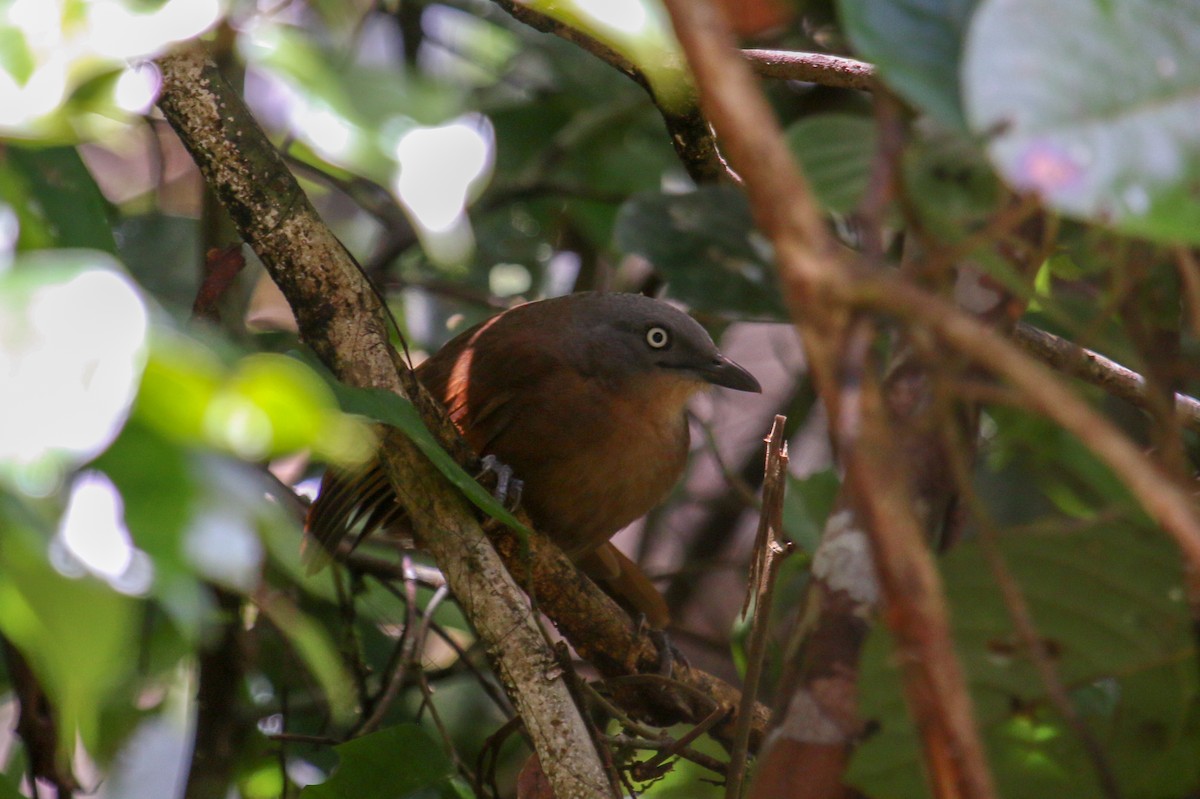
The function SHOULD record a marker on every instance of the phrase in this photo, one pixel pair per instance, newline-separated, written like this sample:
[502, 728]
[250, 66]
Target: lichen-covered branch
[341, 318]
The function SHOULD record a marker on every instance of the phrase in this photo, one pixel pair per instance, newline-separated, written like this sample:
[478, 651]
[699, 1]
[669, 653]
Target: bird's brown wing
[482, 395]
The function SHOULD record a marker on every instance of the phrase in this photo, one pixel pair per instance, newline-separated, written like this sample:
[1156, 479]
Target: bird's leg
[668, 655]
[508, 486]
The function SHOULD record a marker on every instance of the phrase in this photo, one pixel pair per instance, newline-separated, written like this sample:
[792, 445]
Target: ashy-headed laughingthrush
[583, 397]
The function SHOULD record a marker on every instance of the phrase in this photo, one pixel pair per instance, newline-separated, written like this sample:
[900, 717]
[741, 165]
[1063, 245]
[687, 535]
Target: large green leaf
[836, 151]
[1108, 605]
[917, 46]
[401, 762]
[705, 245]
[1093, 106]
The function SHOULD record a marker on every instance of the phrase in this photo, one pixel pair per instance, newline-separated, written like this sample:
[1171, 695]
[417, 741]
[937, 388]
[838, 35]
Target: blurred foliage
[470, 162]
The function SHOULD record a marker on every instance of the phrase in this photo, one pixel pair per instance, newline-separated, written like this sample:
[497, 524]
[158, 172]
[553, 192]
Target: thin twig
[822, 68]
[1166, 501]
[769, 553]
[656, 766]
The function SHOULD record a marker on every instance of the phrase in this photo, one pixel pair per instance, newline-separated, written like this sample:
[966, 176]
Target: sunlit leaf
[76, 632]
[72, 347]
[66, 65]
[638, 30]
[1108, 138]
[266, 405]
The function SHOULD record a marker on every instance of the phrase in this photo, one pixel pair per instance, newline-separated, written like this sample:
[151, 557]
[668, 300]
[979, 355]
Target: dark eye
[658, 337]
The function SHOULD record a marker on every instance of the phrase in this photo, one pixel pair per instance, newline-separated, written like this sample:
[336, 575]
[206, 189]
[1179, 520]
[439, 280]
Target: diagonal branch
[827, 70]
[342, 319]
[1092, 367]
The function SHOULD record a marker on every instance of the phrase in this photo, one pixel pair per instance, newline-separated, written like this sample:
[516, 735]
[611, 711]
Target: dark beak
[724, 372]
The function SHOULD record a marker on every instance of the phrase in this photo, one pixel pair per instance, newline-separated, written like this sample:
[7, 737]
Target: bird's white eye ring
[658, 337]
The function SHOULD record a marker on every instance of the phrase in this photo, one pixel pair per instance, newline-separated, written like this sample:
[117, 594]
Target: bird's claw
[668, 655]
[508, 487]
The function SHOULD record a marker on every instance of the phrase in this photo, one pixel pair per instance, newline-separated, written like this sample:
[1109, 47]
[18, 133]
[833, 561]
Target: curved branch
[1167, 502]
[814, 279]
[689, 132]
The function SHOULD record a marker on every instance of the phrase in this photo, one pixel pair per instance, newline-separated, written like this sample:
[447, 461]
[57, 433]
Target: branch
[813, 275]
[827, 70]
[770, 549]
[1092, 367]
[341, 318]
[1166, 501]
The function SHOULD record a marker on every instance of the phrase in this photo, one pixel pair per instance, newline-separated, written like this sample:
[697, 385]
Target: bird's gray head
[629, 334]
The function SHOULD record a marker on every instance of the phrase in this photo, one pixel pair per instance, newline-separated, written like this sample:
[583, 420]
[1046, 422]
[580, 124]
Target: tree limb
[813, 273]
[341, 318]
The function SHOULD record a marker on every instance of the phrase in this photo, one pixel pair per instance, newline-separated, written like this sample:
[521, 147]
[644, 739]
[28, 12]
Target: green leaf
[401, 762]
[316, 650]
[15, 56]
[163, 253]
[639, 31]
[835, 151]
[8, 790]
[705, 245]
[806, 506]
[916, 46]
[392, 409]
[61, 196]
[951, 185]
[76, 632]
[1093, 106]
[1108, 604]
[266, 405]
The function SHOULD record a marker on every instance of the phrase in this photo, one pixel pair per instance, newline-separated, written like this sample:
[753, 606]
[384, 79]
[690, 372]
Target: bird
[583, 397]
